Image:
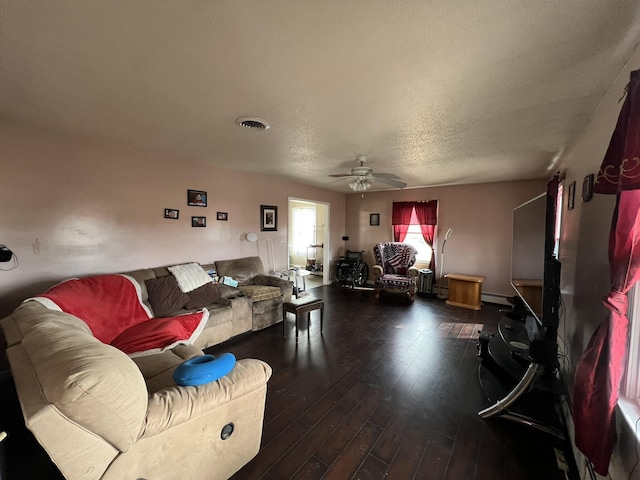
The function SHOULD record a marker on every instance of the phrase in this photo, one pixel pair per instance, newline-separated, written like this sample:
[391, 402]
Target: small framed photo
[171, 213]
[198, 221]
[268, 218]
[587, 188]
[196, 198]
[222, 216]
[374, 219]
[572, 196]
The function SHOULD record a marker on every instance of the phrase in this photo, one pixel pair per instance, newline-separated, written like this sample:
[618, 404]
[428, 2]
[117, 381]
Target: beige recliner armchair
[101, 415]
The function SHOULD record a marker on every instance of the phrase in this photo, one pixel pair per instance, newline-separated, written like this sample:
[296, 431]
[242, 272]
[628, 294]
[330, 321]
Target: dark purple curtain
[601, 366]
[427, 214]
[401, 219]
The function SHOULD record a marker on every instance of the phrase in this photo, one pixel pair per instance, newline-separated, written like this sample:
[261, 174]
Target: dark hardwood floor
[389, 391]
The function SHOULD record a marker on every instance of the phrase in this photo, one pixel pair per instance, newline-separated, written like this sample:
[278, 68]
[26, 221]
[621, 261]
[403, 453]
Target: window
[631, 383]
[414, 237]
[629, 400]
[303, 231]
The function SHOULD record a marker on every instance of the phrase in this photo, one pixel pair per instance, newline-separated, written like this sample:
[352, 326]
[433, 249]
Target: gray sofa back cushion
[241, 269]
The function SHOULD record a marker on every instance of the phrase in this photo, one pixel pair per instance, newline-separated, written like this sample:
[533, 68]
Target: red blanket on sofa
[111, 305]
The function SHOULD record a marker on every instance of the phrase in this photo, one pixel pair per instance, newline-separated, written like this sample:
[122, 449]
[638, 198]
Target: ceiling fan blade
[386, 175]
[341, 175]
[391, 182]
[341, 179]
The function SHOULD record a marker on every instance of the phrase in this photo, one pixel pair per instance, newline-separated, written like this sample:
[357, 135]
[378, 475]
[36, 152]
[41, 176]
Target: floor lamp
[446, 237]
[273, 258]
[253, 238]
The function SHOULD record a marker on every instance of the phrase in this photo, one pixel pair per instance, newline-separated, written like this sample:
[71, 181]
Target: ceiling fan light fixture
[362, 177]
[360, 185]
[252, 123]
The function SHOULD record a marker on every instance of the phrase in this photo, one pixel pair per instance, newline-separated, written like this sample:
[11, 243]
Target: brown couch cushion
[165, 296]
[261, 292]
[203, 296]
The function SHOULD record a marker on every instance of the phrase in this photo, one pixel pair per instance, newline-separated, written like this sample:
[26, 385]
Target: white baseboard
[497, 299]
[443, 294]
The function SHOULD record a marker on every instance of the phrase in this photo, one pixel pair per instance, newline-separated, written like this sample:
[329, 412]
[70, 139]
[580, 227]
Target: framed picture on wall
[198, 221]
[222, 216]
[196, 198]
[171, 213]
[572, 196]
[374, 219]
[587, 188]
[268, 218]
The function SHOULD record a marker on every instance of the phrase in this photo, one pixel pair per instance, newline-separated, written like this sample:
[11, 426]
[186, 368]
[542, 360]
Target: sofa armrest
[286, 286]
[273, 281]
[176, 405]
[377, 271]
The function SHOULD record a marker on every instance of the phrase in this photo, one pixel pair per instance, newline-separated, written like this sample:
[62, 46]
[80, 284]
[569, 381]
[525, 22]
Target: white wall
[72, 207]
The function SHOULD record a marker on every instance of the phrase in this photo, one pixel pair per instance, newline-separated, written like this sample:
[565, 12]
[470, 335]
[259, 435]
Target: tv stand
[520, 373]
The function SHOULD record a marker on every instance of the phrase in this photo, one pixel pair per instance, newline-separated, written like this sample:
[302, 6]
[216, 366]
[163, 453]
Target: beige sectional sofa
[101, 414]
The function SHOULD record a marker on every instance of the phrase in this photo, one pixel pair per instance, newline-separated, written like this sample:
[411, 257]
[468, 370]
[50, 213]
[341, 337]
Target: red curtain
[601, 366]
[620, 168]
[427, 214]
[401, 219]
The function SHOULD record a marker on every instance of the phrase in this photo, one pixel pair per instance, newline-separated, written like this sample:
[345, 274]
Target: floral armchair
[394, 271]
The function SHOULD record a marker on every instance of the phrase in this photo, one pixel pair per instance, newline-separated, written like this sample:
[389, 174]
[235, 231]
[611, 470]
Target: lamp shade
[251, 237]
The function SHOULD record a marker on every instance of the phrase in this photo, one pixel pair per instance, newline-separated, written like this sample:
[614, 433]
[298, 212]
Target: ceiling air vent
[252, 123]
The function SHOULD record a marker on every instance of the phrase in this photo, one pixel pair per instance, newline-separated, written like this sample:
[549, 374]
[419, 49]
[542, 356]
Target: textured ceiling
[437, 92]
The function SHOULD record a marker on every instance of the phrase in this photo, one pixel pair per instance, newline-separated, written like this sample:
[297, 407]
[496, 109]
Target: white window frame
[631, 385]
[629, 399]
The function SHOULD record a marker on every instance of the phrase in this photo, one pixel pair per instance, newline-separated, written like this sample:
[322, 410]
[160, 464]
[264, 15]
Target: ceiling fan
[363, 177]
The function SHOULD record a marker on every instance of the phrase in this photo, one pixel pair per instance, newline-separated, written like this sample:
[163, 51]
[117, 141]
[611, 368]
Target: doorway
[309, 239]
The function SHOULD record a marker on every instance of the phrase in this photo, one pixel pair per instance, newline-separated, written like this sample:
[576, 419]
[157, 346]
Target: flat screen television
[527, 253]
[535, 271]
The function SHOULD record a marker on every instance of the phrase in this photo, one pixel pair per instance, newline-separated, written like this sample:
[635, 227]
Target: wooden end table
[299, 307]
[465, 290]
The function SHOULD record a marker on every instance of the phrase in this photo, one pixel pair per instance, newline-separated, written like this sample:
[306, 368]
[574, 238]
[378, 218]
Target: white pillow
[190, 276]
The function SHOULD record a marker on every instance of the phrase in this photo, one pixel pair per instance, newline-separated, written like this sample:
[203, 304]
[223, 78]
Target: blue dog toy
[203, 369]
